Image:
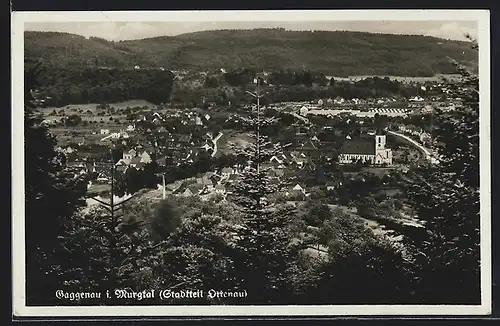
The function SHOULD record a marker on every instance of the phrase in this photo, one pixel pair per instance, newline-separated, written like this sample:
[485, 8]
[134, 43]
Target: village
[176, 140]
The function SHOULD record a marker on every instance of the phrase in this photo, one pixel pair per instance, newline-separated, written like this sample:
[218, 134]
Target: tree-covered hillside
[337, 53]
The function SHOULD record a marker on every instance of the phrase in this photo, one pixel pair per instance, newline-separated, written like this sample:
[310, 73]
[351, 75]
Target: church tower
[382, 155]
[379, 142]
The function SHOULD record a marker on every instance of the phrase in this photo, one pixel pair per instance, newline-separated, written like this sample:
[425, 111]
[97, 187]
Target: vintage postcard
[251, 163]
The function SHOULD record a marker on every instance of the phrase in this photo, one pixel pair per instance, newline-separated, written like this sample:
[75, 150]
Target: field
[402, 79]
[92, 106]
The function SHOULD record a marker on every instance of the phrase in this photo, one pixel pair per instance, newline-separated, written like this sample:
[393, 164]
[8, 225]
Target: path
[422, 149]
[214, 141]
[300, 117]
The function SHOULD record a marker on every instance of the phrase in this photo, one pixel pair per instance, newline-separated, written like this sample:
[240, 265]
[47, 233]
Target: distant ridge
[339, 53]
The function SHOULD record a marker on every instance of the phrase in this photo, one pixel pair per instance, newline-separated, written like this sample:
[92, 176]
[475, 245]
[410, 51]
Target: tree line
[79, 85]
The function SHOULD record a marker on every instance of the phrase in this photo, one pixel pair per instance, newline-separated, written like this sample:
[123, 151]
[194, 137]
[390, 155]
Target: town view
[251, 167]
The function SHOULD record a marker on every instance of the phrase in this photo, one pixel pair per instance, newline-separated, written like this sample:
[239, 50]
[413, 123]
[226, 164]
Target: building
[371, 151]
[129, 155]
[303, 111]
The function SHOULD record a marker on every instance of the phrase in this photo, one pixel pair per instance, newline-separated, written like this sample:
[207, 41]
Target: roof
[195, 188]
[204, 181]
[360, 147]
[135, 160]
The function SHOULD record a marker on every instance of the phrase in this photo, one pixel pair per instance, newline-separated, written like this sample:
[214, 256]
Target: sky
[116, 31]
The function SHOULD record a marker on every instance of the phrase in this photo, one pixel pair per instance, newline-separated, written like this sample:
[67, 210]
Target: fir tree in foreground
[267, 254]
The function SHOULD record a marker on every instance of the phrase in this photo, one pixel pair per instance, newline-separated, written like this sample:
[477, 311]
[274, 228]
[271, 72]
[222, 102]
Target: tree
[107, 250]
[52, 194]
[447, 197]
[267, 254]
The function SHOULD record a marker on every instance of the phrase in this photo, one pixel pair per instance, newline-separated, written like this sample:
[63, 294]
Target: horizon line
[250, 29]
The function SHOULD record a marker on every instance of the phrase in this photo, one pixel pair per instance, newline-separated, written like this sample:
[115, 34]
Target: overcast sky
[115, 31]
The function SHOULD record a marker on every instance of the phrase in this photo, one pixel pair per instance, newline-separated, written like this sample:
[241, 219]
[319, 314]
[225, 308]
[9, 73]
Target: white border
[18, 20]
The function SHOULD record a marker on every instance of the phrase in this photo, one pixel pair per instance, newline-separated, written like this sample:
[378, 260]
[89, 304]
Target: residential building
[193, 190]
[129, 155]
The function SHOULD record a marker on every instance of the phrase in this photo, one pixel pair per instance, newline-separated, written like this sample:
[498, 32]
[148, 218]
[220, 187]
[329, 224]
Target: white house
[303, 111]
[104, 131]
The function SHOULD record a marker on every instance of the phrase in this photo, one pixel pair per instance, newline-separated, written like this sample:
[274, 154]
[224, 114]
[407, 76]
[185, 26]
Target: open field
[92, 106]
[400, 78]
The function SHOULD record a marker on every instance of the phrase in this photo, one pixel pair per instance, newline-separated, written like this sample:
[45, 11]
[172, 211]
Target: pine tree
[447, 197]
[51, 196]
[266, 252]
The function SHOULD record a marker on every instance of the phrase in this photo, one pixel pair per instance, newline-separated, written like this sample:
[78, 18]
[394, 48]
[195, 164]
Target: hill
[338, 53]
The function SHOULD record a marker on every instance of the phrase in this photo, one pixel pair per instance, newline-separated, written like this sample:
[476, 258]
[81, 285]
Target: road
[300, 117]
[422, 149]
[214, 141]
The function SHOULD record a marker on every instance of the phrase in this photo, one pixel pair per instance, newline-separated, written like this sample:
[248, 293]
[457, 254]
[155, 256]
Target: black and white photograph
[251, 163]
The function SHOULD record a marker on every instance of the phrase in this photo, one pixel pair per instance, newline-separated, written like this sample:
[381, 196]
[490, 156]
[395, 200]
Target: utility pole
[163, 181]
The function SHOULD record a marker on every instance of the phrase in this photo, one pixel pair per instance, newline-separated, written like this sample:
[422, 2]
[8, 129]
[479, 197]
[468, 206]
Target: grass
[92, 106]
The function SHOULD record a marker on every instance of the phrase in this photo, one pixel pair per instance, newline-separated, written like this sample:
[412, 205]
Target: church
[371, 151]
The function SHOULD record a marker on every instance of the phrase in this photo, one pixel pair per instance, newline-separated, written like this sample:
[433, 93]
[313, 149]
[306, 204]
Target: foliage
[447, 197]
[258, 49]
[108, 251]
[51, 195]
[78, 85]
[266, 254]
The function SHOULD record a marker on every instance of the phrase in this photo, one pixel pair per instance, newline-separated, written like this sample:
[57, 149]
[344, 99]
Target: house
[296, 191]
[206, 182]
[226, 172]
[303, 111]
[123, 162]
[135, 161]
[130, 128]
[145, 157]
[129, 155]
[162, 161]
[371, 151]
[331, 185]
[102, 178]
[69, 150]
[277, 163]
[193, 190]
[299, 188]
[220, 189]
[122, 168]
[104, 131]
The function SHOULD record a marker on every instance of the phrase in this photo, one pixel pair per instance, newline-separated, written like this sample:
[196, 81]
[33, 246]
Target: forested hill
[337, 53]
